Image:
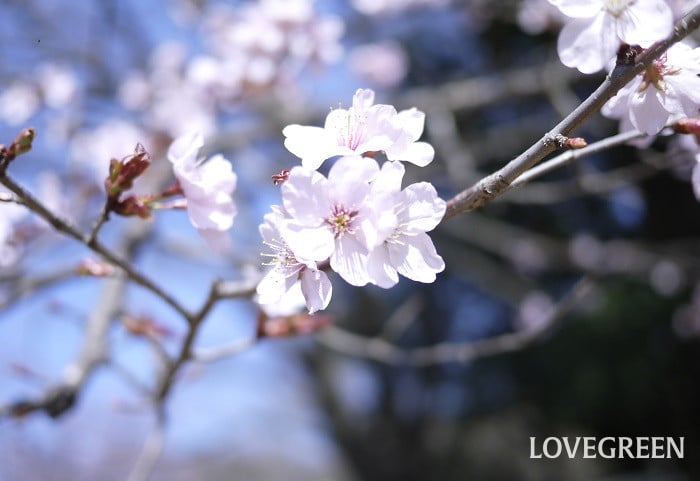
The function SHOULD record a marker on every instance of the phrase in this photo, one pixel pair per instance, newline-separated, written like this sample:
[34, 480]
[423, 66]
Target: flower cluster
[596, 28]
[248, 49]
[357, 220]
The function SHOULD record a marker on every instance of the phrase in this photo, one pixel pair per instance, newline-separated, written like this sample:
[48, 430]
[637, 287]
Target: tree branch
[498, 182]
[378, 349]
[95, 245]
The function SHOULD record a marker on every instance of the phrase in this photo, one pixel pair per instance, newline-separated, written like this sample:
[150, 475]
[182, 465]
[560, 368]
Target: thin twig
[573, 155]
[95, 245]
[210, 354]
[150, 453]
[103, 217]
[25, 286]
[378, 349]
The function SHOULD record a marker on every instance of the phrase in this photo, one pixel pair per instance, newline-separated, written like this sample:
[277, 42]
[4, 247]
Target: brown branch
[219, 290]
[95, 245]
[573, 155]
[498, 182]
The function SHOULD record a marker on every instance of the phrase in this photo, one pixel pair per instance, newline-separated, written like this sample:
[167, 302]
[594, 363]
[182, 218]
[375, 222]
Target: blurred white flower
[18, 103]
[384, 64]
[94, 148]
[58, 85]
[207, 186]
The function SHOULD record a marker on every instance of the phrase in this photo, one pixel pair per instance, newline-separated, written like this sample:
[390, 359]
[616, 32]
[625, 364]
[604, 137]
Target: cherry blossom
[597, 27]
[360, 220]
[408, 250]
[365, 127]
[207, 186]
[668, 88]
[288, 272]
[337, 218]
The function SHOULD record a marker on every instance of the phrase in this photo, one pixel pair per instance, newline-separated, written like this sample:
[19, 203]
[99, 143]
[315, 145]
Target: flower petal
[349, 260]
[363, 99]
[379, 268]
[683, 94]
[643, 23]
[424, 209]
[309, 243]
[388, 180]
[185, 148]
[416, 258]
[218, 240]
[304, 196]
[311, 144]
[317, 289]
[647, 111]
[578, 8]
[274, 284]
[586, 43]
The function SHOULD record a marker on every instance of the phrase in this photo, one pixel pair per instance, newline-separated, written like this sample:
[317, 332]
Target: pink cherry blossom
[597, 27]
[667, 89]
[360, 129]
[207, 186]
[407, 250]
[336, 218]
[288, 270]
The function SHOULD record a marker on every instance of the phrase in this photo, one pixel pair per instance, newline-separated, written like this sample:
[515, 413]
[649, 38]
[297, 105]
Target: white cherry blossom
[667, 89]
[288, 272]
[337, 218]
[207, 186]
[360, 129]
[408, 250]
[597, 27]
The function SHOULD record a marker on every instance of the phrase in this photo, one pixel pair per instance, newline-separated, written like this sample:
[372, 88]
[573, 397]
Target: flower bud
[688, 126]
[23, 141]
[122, 173]
[132, 206]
